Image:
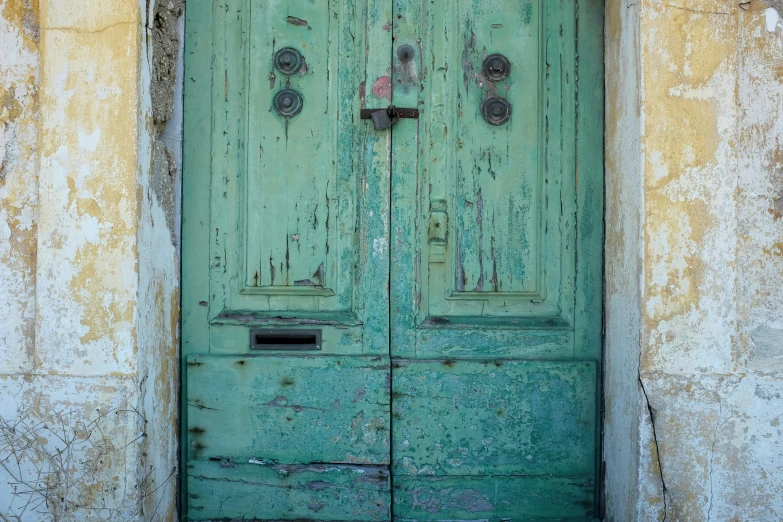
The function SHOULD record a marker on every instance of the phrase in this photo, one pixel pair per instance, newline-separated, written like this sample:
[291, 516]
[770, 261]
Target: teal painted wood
[495, 242]
[223, 490]
[590, 188]
[496, 254]
[527, 196]
[496, 499]
[293, 410]
[455, 417]
[287, 227]
[299, 206]
[199, 29]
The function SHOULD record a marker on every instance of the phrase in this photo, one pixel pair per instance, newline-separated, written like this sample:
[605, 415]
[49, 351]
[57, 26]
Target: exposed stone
[164, 173]
[165, 48]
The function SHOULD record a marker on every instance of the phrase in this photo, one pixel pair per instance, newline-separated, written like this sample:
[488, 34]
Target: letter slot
[285, 339]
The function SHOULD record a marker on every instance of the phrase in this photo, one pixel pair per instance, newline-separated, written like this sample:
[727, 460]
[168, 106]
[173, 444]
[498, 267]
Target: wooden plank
[590, 190]
[493, 498]
[197, 151]
[375, 185]
[226, 491]
[494, 418]
[589, 177]
[295, 409]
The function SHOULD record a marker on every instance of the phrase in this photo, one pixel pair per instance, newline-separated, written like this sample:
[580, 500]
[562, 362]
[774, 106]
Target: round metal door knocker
[288, 60]
[405, 53]
[496, 110]
[288, 103]
[496, 67]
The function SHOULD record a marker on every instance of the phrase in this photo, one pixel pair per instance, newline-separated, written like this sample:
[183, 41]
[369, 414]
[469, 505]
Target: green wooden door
[391, 324]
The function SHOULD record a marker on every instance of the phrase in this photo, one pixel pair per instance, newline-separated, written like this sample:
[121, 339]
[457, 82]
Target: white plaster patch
[772, 18]
[89, 142]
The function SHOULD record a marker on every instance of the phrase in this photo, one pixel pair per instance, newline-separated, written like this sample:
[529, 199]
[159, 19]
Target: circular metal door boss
[496, 67]
[288, 103]
[405, 53]
[496, 110]
[288, 60]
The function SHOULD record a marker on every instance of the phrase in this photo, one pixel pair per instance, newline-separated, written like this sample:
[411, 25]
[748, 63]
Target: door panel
[495, 348]
[289, 409]
[506, 260]
[298, 223]
[497, 417]
[286, 228]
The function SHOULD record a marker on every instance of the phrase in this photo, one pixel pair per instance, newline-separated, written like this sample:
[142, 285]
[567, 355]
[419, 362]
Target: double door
[392, 225]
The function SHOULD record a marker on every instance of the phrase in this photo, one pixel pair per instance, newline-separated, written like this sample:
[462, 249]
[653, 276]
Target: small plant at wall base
[56, 466]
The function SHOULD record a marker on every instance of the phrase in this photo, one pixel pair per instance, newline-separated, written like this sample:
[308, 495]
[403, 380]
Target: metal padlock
[381, 120]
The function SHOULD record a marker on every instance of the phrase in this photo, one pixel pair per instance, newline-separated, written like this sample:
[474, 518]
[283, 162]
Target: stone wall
[701, 192]
[88, 265]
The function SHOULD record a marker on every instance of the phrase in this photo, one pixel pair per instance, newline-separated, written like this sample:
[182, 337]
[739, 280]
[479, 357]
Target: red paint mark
[362, 95]
[387, 27]
[382, 88]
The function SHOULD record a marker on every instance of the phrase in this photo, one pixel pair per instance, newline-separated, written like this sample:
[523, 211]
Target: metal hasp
[285, 340]
[288, 103]
[496, 67]
[405, 53]
[288, 61]
[496, 110]
[385, 118]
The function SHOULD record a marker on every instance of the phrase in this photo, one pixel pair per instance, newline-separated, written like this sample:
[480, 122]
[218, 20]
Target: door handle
[385, 118]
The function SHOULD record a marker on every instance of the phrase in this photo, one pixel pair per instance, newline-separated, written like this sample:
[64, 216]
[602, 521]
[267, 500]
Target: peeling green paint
[452, 267]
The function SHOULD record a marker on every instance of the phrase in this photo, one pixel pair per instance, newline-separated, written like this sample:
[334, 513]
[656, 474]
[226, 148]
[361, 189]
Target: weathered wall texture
[88, 267]
[707, 179]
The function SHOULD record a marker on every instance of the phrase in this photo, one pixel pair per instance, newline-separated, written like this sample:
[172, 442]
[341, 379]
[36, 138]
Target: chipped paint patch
[382, 88]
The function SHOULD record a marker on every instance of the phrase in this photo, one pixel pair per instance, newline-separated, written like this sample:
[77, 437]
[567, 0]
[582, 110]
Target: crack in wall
[651, 411]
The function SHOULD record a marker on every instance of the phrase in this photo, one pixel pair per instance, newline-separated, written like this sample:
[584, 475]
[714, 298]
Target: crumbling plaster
[88, 267]
[699, 85]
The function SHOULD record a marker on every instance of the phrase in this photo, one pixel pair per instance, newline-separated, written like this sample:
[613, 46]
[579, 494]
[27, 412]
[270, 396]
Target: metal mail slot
[285, 339]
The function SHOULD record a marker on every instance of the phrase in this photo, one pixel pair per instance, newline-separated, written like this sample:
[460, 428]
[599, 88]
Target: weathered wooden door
[391, 319]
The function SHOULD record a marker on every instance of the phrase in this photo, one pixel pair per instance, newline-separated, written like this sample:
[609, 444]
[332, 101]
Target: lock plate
[392, 115]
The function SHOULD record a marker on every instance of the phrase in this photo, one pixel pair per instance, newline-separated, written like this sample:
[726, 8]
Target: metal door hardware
[288, 103]
[405, 53]
[385, 118]
[496, 67]
[496, 110]
[288, 60]
[285, 340]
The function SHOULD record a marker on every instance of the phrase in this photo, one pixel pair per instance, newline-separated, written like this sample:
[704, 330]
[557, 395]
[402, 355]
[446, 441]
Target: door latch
[385, 118]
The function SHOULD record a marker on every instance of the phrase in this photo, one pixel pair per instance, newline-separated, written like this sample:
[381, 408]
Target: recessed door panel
[456, 417]
[295, 410]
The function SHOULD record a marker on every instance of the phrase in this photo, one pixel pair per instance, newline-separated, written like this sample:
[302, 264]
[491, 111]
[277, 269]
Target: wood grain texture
[507, 195]
[499, 417]
[452, 267]
[495, 499]
[225, 490]
[296, 409]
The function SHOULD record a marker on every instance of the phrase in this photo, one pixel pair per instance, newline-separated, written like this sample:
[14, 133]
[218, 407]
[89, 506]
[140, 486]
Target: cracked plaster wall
[694, 261]
[88, 262]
